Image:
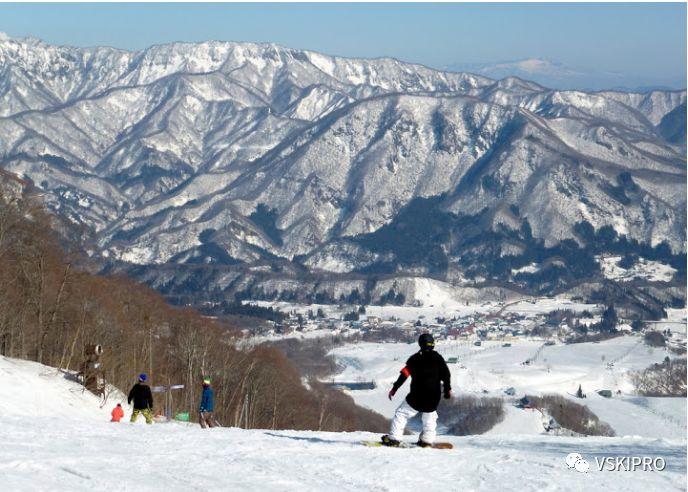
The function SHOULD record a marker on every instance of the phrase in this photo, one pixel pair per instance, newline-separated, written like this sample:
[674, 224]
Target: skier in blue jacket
[205, 411]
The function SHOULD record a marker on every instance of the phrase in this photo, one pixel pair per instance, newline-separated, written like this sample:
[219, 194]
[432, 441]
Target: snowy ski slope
[493, 368]
[54, 437]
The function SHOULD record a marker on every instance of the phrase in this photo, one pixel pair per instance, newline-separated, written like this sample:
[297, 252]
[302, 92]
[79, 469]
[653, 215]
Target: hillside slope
[48, 444]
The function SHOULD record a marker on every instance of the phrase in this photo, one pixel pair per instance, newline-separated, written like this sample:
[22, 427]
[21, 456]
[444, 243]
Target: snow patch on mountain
[532, 268]
[433, 293]
[654, 271]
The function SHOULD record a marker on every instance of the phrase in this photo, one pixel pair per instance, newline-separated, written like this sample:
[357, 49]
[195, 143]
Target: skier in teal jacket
[205, 411]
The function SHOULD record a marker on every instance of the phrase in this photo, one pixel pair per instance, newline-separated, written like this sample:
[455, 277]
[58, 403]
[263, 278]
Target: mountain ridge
[149, 150]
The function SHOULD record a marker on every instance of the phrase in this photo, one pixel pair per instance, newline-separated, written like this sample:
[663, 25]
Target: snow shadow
[314, 440]
[70, 376]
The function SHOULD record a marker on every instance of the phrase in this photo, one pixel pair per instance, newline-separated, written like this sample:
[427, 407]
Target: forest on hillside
[52, 309]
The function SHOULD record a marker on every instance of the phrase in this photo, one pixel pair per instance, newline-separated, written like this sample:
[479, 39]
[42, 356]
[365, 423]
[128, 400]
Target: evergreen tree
[609, 319]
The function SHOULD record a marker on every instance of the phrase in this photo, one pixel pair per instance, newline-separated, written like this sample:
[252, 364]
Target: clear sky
[646, 42]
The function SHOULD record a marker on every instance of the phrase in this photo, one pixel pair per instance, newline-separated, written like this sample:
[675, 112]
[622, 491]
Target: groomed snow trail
[64, 454]
[60, 440]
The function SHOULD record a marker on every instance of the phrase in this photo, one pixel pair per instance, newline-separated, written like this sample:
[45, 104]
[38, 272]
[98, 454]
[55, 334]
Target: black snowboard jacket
[427, 370]
[142, 396]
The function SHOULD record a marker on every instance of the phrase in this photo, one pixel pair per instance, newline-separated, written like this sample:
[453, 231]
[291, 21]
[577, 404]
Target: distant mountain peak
[532, 66]
[557, 75]
[229, 153]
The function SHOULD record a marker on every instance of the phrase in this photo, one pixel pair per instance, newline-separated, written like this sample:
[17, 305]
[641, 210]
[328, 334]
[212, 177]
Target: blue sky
[643, 43]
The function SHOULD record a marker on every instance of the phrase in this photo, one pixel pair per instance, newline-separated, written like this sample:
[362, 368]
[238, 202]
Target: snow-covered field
[545, 305]
[254, 340]
[438, 303]
[53, 437]
[492, 368]
[404, 313]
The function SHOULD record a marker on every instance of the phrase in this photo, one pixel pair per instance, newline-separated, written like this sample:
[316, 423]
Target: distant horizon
[456, 68]
[588, 46]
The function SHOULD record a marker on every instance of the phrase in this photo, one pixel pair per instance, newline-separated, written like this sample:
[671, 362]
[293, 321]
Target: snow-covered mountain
[223, 152]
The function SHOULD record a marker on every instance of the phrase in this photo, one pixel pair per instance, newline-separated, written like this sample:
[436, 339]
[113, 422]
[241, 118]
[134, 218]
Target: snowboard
[378, 444]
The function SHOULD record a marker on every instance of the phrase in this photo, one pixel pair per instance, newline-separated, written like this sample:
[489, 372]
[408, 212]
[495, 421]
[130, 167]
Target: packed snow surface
[55, 437]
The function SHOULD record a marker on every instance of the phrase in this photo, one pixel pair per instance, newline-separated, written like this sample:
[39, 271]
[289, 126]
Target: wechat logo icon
[576, 461]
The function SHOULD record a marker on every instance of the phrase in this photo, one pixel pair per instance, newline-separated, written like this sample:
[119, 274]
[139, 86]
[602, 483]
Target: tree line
[52, 308]
[665, 379]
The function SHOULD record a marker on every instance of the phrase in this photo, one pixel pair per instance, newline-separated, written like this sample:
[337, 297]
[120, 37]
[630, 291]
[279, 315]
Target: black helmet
[426, 341]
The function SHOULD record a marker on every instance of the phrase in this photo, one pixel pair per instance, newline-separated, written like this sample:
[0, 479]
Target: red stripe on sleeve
[405, 371]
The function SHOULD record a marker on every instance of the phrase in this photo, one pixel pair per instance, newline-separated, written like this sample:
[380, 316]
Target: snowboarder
[427, 370]
[205, 411]
[117, 413]
[143, 400]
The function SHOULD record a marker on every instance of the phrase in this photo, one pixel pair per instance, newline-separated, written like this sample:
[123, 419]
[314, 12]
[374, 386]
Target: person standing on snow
[117, 413]
[427, 370]
[143, 400]
[205, 411]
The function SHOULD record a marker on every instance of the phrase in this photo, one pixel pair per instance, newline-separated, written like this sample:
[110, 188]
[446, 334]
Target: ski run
[55, 437]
